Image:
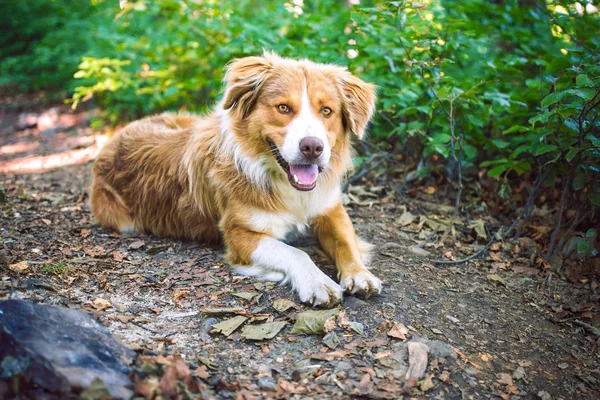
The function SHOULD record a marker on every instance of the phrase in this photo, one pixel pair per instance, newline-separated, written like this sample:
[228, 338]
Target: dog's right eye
[284, 109]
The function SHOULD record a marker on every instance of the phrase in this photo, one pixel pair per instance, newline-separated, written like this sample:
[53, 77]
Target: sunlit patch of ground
[33, 164]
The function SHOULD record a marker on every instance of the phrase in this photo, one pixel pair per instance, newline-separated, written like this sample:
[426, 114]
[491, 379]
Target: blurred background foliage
[506, 88]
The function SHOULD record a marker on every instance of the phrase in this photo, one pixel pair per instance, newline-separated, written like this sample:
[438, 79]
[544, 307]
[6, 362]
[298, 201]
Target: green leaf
[515, 128]
[543, 118]
[571, 154]
[594, 198]
[545, 149]
[441, 138]
[584, 80]
[580, 180]
[494, 162]
[553, 98]
[583, 246]
[496, 170]
[591, 233]
[470, 151]
[501, 144]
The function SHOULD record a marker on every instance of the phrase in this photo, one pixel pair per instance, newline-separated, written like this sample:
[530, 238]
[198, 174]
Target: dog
[266, 163]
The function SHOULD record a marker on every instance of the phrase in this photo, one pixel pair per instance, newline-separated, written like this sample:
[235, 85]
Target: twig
[471, 257]
[529, 205]
[427, 239]
[485, 248]
[589, 327]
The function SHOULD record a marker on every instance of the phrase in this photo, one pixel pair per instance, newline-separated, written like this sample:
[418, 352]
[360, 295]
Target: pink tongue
[306, 174]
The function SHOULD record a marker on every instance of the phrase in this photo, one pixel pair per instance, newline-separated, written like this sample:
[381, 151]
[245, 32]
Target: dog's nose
[311, 147]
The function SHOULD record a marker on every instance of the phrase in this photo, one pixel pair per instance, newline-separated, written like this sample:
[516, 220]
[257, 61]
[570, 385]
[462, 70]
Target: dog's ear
[358, 103]
[243, 79]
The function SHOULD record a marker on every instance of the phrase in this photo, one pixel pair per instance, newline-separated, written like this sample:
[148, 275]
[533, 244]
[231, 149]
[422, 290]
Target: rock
[542, 394]
[343, 366]
[419, 251]
[267, 383]
[353, 302]
[61, 350]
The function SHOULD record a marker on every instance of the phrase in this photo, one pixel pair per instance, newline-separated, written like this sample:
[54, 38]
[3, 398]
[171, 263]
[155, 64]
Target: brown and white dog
[267, 162]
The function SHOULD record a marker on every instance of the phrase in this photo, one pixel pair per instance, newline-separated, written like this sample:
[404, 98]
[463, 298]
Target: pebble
[267, 383]
[343, 366]
[452, 319]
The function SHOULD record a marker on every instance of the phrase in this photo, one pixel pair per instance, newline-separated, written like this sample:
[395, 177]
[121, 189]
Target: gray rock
[343, 366]
[60, 350]
[267, 383]
[353, 302]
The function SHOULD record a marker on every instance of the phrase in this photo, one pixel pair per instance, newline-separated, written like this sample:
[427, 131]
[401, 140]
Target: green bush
[42, 41]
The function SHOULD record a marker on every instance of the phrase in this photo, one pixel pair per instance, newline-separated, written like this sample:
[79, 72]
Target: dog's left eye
[326, 111]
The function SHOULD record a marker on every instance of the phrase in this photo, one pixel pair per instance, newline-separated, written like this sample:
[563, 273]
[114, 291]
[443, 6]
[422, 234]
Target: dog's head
[299, 113]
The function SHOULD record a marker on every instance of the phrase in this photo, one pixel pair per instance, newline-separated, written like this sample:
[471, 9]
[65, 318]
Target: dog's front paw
[320, 291]
[363, 283]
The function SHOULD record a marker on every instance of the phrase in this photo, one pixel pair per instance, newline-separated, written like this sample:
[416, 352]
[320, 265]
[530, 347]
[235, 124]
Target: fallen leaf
[201, 372]
[398, 331]
[331, 340]
[262, 331]
[136, 245]
[445, 376]
[524, 363]
[496, 279]
[329, 325]
[101, 304]
[179, 295]
[426, 384]
[125, 318]
[229, 326]
[19, 267]
[504, 379]
[249, 296]
[357, 327]
[519, 373]
[313, 322]
[118, 256]
[146, 388]
[282, 305]
[342, 320]
[85, 233]
[406, 219]
[479, 226]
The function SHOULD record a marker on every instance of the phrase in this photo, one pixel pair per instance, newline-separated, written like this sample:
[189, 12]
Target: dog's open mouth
[302, 177]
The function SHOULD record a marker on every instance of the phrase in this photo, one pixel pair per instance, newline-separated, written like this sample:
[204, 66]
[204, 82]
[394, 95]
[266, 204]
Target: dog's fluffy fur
[228, 175]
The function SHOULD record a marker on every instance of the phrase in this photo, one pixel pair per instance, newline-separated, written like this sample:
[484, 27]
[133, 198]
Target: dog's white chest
[300, 209]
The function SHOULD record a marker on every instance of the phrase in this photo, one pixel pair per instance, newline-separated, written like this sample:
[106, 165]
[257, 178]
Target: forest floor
[514, 330]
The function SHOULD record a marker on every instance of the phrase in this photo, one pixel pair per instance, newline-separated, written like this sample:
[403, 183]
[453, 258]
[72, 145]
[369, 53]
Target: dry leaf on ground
[313, 322]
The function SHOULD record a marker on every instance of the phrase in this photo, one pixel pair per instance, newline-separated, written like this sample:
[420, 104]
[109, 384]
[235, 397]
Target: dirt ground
[514, 331]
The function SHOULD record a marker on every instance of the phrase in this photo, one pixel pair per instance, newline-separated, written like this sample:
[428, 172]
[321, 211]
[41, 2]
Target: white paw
[364, 284]
[319, 290]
